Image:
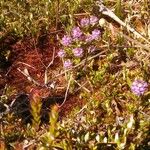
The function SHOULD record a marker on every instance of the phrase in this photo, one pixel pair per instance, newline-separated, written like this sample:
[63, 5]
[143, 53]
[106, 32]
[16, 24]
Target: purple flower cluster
[93, 20]
[61, 53]
[67, 64]
[88, 21]
[66, 40]
[84, 22]
[138, 87]
[78, 52]
[78, 37]
[94, 36]
[76, 32]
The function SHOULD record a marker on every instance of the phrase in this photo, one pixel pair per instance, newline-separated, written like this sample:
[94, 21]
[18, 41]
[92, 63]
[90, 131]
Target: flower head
[66, 40]
[93, 20]
[96, 34]
[61, 53]
[84, 22]
[88, 21]
[76, 32]
[138, 87]
[78, 52]
[67, 64]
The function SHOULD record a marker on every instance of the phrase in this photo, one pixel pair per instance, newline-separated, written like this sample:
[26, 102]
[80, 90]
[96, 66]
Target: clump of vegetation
[96, 59]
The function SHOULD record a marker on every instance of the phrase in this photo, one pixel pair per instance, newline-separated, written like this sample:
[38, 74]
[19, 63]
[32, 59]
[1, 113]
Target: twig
[53, 57]
[26, 64]
[26, 73]
[84, 107]
[105, 11]
[82, 14]
[82, 86]
[68, 86]
[29, 144]
[135, 41]
[47, 67]
[34, 44]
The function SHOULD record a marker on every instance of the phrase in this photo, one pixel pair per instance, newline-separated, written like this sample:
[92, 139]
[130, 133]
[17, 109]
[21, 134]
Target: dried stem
[105, 11]
[67, 90]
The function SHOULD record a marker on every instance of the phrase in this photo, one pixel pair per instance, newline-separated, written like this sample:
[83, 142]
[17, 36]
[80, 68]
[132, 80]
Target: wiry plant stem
[105, 11]
[67, 90]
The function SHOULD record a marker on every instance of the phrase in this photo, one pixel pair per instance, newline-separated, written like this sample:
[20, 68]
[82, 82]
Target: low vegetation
[74, 75]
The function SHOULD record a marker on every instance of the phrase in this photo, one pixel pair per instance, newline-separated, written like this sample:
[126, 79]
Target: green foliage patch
[102, 64]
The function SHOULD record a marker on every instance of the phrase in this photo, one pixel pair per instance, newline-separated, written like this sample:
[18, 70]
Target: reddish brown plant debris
[26, 55]
[34, 55]
[70, 104]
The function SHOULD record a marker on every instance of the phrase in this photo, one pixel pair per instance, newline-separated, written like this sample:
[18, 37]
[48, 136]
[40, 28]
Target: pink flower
[78, 52]
[95, 34]
[76, 32]
[93, 20]
[66, 40]
[68, 64]
[88, 21]
[84, 22]
[138, 87]
[61, 53]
